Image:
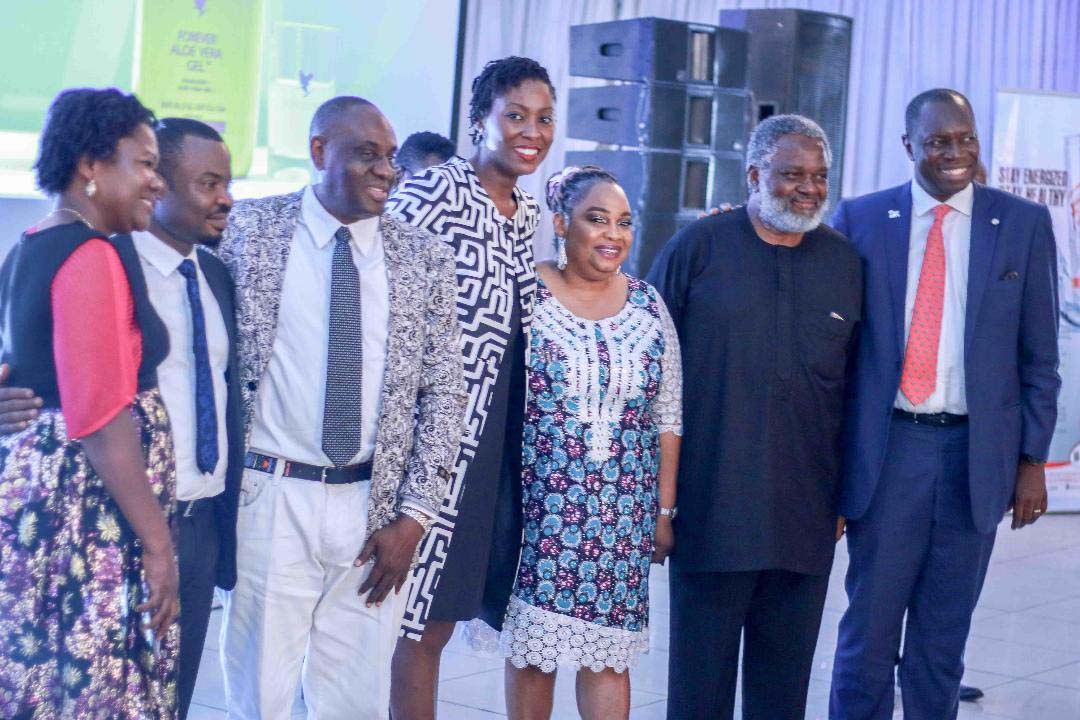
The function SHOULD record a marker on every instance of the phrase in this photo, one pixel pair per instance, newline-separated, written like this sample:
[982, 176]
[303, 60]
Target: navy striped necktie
[342, 408]
[206, 429]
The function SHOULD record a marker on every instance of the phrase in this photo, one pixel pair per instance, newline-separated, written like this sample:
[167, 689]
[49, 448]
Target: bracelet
[670, 512]
[425, 520]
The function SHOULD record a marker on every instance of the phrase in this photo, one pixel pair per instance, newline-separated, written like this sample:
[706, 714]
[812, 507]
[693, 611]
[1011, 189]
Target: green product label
[200, 59]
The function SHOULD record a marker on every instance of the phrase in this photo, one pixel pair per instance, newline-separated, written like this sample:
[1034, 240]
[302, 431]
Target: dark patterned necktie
[344, 361]
[206, 429]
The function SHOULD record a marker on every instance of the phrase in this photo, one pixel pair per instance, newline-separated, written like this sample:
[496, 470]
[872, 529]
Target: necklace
[74, 212]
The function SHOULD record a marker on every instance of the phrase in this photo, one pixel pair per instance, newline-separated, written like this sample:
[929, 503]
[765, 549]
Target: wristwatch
[1031, 460]
[425, 520]
[670, 512]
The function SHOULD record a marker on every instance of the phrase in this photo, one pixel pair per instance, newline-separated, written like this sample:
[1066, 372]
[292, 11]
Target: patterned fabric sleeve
[426, 201]
[668, 405]
[96, 343]
[442, 398]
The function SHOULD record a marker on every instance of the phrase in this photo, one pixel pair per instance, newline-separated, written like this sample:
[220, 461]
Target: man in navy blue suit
[951, 403]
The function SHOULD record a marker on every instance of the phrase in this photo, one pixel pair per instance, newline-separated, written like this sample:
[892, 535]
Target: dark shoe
[970, 694]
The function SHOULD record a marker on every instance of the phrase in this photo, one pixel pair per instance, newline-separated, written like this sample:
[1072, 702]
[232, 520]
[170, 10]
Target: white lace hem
[549, 640]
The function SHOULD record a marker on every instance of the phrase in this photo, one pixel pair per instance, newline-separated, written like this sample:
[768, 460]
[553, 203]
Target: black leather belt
[942, 419]
[316, 473]
[187, 508]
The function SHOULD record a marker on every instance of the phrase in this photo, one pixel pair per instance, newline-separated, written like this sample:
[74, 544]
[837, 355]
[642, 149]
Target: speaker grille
[824, 49]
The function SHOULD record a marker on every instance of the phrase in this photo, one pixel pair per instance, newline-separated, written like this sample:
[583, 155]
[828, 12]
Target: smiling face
[355, 154]
[600, 232]
[790, 193]
[944, 147]
[128, 184]
[196, 204]
[519, 128]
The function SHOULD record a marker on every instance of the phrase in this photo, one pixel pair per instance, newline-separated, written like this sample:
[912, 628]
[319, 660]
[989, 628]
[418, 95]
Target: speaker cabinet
[651, 233]
[663, 116]
[672, 182]
[666, 190]
[799, 62]
[651, 49]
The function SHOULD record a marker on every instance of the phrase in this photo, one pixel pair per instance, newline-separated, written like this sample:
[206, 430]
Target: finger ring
[1036, 511]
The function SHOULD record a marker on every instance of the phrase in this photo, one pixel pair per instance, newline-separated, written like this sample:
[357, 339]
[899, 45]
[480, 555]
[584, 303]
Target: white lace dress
[599, 395]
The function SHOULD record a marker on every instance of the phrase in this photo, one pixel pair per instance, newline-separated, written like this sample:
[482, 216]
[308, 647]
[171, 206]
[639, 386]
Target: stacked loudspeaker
[799, 62]
[674, 124]
[673, 128]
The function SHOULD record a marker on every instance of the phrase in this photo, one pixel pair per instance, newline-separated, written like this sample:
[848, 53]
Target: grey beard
[775, 214]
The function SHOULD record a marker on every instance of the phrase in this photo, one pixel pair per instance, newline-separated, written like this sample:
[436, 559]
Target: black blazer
[217, 277]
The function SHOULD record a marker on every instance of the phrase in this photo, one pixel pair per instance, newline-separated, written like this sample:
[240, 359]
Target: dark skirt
[482, 559]
[71, 645]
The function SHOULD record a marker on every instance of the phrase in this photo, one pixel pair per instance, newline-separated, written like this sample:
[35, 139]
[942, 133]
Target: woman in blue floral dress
[600, 449]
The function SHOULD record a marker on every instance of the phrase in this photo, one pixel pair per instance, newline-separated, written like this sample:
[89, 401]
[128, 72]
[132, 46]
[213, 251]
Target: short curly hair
[84, 122]
[497, 77]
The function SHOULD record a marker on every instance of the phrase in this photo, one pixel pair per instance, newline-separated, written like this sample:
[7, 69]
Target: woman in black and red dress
[87, 489]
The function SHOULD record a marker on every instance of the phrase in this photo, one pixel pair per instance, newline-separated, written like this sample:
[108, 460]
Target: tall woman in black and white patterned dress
[469, 559]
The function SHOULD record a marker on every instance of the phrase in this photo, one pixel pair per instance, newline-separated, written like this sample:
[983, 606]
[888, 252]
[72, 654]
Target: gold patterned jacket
[423, 396]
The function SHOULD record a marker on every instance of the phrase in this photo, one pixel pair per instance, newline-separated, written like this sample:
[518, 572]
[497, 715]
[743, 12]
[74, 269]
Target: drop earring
[91, 188]
[560, 261]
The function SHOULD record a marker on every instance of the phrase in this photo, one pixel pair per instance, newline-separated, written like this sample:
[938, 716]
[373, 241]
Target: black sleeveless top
[26, 308]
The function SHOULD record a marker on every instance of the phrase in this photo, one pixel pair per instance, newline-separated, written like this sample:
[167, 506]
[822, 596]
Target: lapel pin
[994, 221]
[893, 214]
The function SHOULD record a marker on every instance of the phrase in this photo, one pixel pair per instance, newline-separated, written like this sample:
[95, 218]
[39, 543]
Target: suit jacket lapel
[395, 272]
[897, 241]
[219, 287]
[984, 234]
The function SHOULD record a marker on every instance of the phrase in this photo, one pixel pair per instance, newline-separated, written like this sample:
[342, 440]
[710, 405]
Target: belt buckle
[322, 474]
[187, 508]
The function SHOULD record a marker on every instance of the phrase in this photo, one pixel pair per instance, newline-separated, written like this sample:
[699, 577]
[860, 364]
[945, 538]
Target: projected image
[254, 69]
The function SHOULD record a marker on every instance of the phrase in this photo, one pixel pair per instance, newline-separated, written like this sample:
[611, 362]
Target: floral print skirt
[71, 645]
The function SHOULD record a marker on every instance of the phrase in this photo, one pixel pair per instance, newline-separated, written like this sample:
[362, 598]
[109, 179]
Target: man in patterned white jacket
[351, 374]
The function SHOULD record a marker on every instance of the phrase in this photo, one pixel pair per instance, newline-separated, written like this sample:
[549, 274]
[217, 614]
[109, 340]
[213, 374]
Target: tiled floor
[1024, 649]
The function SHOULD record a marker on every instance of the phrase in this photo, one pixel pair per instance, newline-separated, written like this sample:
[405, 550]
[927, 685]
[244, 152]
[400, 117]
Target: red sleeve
[96, 344]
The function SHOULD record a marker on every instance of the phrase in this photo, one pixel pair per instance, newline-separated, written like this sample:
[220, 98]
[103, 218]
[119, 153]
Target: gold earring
[91, 188]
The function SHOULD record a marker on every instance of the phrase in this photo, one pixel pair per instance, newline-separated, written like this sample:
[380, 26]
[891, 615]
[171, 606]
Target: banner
[200, 60]
[1037, 156]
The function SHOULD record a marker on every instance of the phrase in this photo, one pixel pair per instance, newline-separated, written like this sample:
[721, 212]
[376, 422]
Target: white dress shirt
[176, 374]
[289, 410]
[949, 394]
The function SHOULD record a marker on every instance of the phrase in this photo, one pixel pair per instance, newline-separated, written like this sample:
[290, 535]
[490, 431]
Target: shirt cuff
[415, 504]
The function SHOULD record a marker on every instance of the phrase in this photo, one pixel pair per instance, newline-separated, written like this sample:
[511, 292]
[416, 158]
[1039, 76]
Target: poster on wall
[254, 69]
[1037, 156]
[201, 60]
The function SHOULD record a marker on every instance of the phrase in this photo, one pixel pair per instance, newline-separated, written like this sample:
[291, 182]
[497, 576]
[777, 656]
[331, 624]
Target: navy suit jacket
[217, 277]
[1010, 342]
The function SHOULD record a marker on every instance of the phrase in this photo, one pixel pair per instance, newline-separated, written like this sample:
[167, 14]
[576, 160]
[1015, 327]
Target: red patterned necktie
[920, 359]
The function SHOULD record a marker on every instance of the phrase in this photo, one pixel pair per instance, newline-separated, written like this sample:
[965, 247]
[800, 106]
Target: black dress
[482, 563]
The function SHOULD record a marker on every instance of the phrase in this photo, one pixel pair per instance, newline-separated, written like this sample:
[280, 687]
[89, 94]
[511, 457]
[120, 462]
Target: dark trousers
[780, 614]
[198, 569]
[916, 550]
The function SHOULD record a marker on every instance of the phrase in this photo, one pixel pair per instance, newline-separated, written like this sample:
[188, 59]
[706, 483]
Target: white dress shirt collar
[162, 257]
[323, 226]
[924, 203]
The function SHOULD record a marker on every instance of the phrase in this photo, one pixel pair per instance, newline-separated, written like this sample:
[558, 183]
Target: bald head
[946, 96]
[335, 110]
